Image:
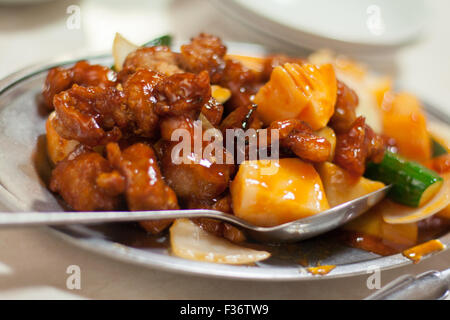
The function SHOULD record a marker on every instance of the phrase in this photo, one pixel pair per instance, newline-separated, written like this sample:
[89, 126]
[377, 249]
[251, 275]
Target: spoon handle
[24, 219]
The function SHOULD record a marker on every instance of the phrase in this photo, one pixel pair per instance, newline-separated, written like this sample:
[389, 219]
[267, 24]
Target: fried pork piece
[93, 115]
[344, 111]
[205, 52]
[155, 226]
[357, 146]
[77, 179]
[213, 111]
[298, 137]
[180, 98]
[277, 60]
[170, 124]
[140, 92]
[242, 82]
[158, 59]
[145, 187]
[182, 94]
[243, 118]
[201, 180]
[221, 229]
[82, 73]
[221, 203]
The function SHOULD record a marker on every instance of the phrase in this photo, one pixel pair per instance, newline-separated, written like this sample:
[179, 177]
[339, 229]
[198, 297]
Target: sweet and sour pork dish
[342, 132]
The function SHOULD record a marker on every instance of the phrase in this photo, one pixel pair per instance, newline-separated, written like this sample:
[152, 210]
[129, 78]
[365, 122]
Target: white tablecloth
[33, 262]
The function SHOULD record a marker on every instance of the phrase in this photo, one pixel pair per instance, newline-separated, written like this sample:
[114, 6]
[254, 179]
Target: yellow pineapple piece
[340, 186]
[307, 92]
[405, 121]
[330, 135]
[292, 192]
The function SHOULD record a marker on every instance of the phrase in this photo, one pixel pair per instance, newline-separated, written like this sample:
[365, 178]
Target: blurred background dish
[347, 26]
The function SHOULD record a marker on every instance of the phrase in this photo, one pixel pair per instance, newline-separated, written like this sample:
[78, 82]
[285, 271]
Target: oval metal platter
[25, 170]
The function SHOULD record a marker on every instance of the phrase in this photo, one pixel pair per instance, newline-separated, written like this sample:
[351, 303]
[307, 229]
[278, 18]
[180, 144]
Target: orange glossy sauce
[416, 253]
[320, 270]
[429, 229]
[370, 243]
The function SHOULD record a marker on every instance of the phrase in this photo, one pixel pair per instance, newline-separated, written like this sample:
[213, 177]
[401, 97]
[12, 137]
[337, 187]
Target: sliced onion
[121, 49]
[395, 213]
[189, 241]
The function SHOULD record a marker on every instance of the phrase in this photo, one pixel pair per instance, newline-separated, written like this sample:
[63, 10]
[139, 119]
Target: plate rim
[183, 266]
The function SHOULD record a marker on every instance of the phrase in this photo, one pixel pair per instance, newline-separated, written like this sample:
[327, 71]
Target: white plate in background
[363, 26]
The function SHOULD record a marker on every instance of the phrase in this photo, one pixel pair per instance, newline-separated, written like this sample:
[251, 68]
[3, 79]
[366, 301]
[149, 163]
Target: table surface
[33, 262]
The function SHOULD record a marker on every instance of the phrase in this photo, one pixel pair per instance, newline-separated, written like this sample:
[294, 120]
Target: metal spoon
[431, 285]
[289, 232]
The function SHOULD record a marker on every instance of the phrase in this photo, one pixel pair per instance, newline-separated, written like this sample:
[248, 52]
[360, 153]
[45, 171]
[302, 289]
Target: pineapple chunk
[220, 94]
[328, 134]
[372, 223]
[58, 148]
[340, 186]
[279, 99]
[307, 92]
[295, 191]
[405, 121]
